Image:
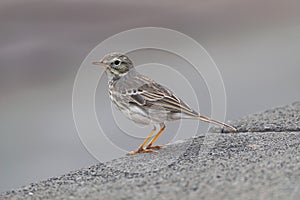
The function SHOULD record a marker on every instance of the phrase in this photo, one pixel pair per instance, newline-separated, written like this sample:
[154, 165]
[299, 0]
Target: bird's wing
[154, 94]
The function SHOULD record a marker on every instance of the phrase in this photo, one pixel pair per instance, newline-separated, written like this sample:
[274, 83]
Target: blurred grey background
[255, 44]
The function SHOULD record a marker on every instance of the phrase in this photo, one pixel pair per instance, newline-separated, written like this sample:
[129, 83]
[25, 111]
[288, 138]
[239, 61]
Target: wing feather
[153, 94]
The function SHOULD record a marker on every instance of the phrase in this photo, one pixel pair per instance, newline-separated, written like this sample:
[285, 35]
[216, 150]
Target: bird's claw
[140, 150]
[155, 147]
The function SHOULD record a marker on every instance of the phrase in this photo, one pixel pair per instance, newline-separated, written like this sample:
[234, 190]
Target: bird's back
[135, 93]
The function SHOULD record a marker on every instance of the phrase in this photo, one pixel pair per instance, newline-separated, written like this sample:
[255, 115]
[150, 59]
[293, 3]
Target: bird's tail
[206, 119]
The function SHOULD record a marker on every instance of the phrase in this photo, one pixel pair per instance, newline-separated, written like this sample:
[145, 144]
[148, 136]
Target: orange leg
[149, 146]
[141, 147]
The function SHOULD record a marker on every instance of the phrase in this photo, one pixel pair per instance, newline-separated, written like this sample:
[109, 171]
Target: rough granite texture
[261, 161]
[286, 118]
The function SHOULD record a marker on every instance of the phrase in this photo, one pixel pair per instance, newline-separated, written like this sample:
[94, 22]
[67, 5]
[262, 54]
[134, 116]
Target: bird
[144, 101]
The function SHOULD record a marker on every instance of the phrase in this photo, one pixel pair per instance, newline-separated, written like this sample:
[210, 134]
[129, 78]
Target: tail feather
[206, 119]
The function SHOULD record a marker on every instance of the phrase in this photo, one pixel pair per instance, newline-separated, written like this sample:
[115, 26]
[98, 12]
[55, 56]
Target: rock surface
[286, 118]
[260, 161]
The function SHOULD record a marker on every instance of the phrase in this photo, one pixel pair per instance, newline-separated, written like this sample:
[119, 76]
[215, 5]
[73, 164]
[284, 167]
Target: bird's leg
[141, 147]
[149, 146]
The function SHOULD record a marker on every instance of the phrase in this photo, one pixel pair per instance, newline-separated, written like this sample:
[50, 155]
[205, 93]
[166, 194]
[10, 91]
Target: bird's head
[116, 64]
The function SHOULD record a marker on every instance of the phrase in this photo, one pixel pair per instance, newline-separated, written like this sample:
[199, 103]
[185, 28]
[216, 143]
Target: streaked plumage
[143, 100]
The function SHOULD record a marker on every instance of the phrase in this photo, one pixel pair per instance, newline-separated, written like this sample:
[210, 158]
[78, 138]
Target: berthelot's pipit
[145, 101]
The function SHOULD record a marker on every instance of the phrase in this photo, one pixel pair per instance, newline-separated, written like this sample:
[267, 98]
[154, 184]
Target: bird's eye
[116, 62]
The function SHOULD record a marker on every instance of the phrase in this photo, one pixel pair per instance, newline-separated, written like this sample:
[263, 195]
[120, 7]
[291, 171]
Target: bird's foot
[140, 150]
[155, 147]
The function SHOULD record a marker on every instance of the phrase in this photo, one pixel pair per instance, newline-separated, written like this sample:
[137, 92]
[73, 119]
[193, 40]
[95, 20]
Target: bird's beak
[100, 63]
